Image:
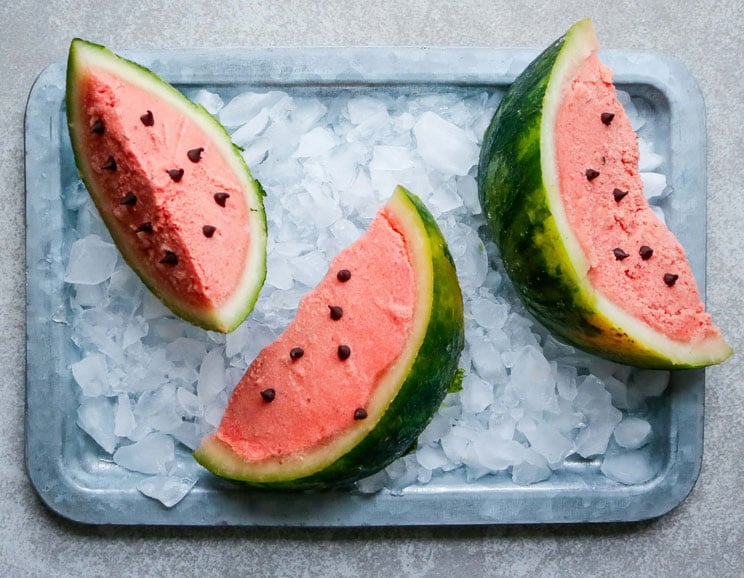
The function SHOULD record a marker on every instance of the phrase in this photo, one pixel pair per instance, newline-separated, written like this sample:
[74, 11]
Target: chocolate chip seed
[129, 199]
[208, 231]
[296, 352]
[221, 198]
[620, 254]
[618, 194]
[144, 228]
[195, 154]
[98, 127]
[147, 118]
[344, 351]
[170, 258]
[343, 275]
[645, 252]
[670, 278]
[607, 118]
[268, 394]
[360, 413]
[110, 164]
[175, 174]
[591, 174]
[336, 312]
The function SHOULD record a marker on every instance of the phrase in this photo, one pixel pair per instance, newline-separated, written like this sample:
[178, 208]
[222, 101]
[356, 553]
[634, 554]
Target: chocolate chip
[360, 413]
[591, 174]
[129, 199]
[645, 252]
[607, 118]
[147, 118]
[208, 231]
[175, 174]
[97, 127]
[618, 194]
[144, 228]
[195, 154]
[170, 258]
[670, 278]
[221, 198]
[268, 394]
[343, 275]
[296, 352]
[110, 164]
[620, 254]
[336, 312]
[344, 351]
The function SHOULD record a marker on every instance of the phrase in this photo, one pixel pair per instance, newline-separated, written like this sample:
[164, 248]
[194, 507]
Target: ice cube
[363, 109]
[489, 314]
[91, 261]
[124, 421]
[532, 380]
[548, 441]
[593, 400]
[654, 186]
[444, 146]
[487, 362]
[431, 457]
[88, 295]
[390, 158]
[96, 418]
[628, 467]
[533, 469]
[153, 454]
[245, 106]
[169, 490]
[632, 433]
[314, 143]
[153, 308]
[211, 376]
[476, 394]
[91, 374]
[468, 189]
[209, 100]
[189, 402]
[494, 453]
[438, 426]
[373, 484]
[189, 434]
[246, 134]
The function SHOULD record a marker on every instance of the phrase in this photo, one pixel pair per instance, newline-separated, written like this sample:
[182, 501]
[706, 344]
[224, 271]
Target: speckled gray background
[703, 537]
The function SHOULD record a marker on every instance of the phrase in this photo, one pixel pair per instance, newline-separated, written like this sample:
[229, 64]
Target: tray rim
[433, 66]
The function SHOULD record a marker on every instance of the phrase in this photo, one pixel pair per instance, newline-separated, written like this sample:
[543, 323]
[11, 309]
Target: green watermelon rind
[519, 193]
[230, 314]
[427, 373]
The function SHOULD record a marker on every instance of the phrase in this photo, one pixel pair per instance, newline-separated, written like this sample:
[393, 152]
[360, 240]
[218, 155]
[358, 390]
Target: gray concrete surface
[703, 537]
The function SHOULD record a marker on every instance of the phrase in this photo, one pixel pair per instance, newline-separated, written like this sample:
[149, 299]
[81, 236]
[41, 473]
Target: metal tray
[78, 481]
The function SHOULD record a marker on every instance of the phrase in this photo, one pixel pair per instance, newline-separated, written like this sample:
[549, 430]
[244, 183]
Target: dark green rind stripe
[521, 221]
[190, 314]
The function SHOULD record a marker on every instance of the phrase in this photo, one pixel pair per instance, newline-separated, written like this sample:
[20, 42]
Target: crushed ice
[149, 381]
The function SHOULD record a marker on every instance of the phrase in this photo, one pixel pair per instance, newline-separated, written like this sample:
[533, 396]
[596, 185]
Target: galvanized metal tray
[78, 481]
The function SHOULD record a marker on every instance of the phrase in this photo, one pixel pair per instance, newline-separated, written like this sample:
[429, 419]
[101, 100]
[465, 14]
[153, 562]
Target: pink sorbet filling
[318, 395]
[175, 217]
[606, 228]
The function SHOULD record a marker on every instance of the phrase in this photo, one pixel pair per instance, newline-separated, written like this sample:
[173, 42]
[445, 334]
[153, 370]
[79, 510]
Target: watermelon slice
[352, 382]
[559, 184]
[174, 192]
